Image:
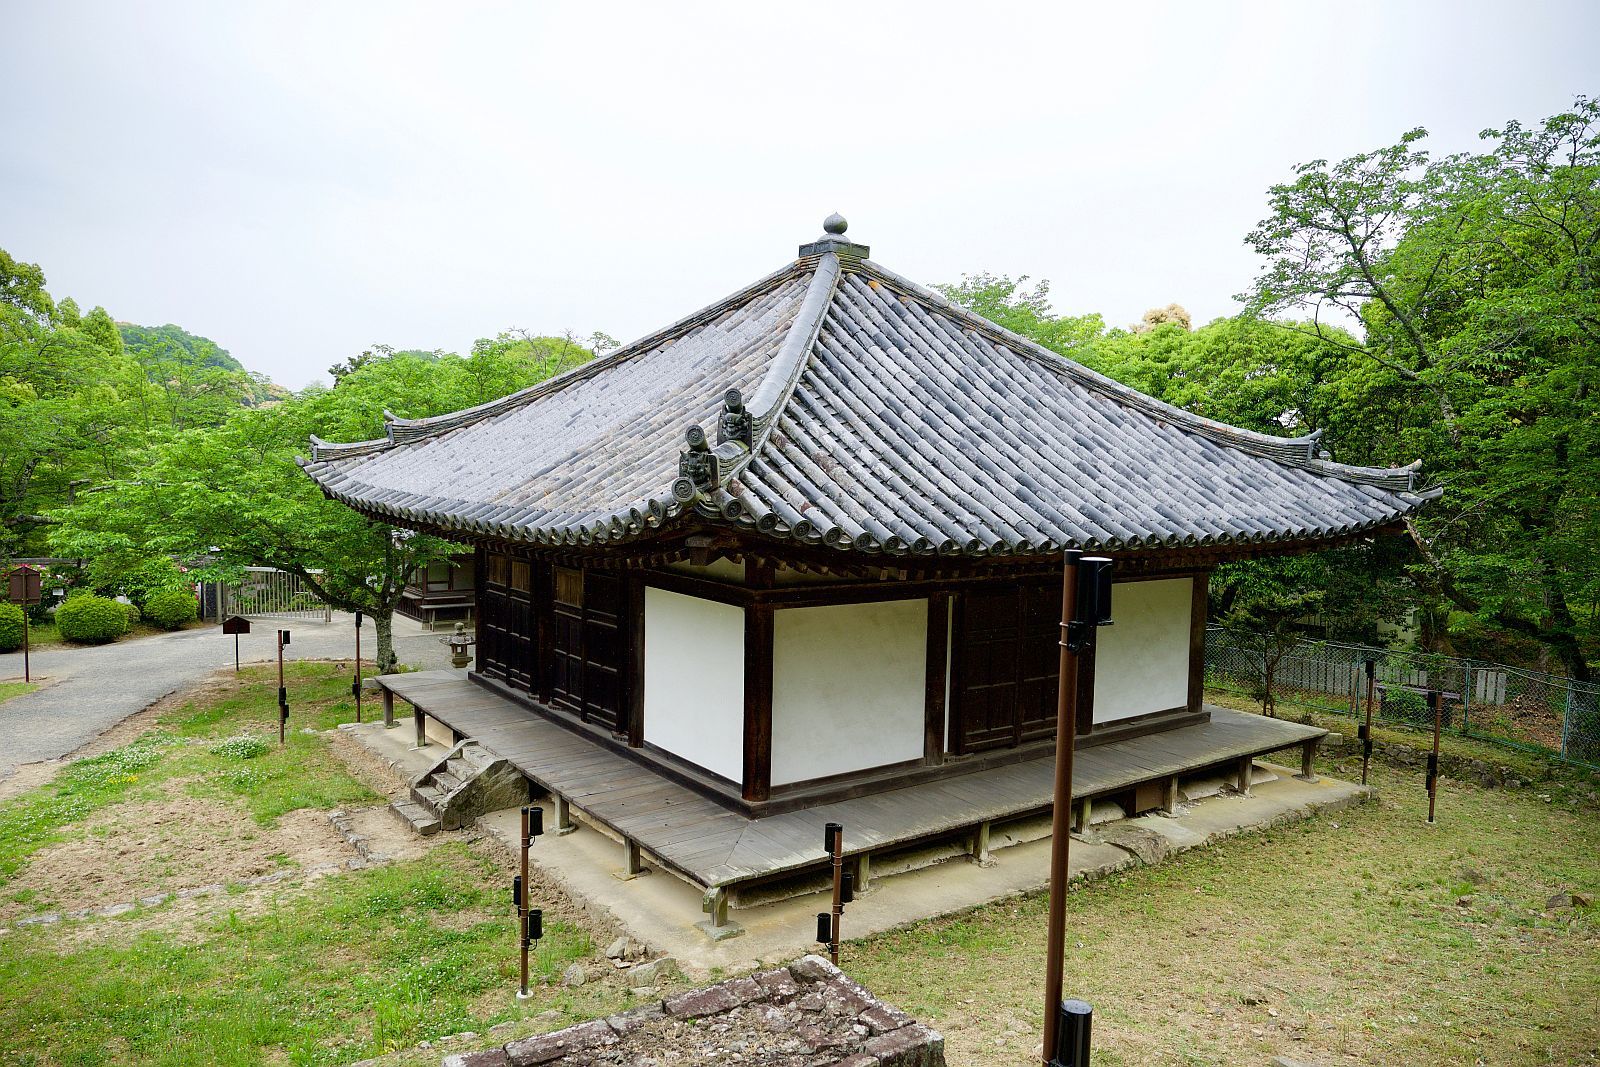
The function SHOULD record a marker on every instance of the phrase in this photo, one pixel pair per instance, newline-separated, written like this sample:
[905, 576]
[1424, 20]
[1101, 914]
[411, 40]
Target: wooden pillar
[1308, 753]
[1242, 773]
[421, 719]
[564, 823]
[1083, 812]
[388, 708]
[979, 852]
[933, 729]
[863, 872]
[757, 779]
[1169, 795]
[634, 629]
[1198, 606]
[632, 866]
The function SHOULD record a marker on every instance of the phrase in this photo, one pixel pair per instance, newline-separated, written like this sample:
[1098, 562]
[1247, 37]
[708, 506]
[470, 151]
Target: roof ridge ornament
[834, 240]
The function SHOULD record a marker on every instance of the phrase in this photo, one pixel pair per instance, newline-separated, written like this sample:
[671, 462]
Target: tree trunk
[383, 622]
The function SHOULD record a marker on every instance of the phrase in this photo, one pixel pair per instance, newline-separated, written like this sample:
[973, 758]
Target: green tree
[234, 495]
[1476, 280]
[1025, 310]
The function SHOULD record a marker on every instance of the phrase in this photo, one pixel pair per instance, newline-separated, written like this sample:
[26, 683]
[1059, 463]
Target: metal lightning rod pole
[1061, 817]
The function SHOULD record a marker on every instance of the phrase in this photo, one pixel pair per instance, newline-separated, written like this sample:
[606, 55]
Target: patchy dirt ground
[178, 842]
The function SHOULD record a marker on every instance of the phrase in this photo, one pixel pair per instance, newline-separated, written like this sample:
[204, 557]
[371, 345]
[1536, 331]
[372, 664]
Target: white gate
[266, 591]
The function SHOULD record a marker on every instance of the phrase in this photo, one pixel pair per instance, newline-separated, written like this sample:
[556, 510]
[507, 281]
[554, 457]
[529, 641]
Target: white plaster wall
[849, 682]
[1142, 659]
[694, 680]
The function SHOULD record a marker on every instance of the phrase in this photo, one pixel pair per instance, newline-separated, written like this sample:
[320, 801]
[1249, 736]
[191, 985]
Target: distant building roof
[836, 403]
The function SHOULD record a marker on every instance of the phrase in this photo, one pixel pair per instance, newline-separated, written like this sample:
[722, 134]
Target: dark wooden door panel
[1005, 662]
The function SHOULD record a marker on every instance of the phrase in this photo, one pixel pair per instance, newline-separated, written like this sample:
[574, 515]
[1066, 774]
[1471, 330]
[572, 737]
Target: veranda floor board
[708, 844]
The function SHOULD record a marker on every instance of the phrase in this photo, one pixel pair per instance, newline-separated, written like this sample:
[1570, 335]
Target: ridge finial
[835, 224]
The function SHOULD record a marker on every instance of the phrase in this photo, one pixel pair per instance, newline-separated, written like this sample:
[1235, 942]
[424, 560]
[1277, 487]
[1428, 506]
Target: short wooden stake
[388, 708]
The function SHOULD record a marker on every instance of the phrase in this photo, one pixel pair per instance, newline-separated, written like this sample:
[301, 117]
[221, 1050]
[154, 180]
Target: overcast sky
[300, 181]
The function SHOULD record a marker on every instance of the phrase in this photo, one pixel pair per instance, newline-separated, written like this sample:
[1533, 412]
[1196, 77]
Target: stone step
[427, 798]
[447, 781]
[420, 820]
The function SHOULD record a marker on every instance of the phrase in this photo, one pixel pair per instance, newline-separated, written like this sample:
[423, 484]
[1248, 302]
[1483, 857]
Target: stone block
[625, 1023]
[779, 983]
[547, 1048]
[813, 968]
[910, 1046]
[493, 1057]
[881, 1018]
[698, 1002]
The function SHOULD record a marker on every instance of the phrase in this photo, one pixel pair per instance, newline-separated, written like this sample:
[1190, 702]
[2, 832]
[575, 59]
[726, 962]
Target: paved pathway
[93, 688]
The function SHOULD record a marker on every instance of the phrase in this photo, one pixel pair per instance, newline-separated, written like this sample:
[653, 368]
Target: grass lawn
[335, 970]
[42, 635]
[15, 689]
[1364, 936]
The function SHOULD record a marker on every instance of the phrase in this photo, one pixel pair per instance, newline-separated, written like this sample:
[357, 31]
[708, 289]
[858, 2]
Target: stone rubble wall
[808, 1014]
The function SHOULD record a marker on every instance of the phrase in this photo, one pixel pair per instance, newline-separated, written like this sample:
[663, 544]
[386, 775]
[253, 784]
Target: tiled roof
[879, 418]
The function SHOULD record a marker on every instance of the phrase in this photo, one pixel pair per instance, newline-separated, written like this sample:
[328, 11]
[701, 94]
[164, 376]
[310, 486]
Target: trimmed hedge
[92, 620]
[10, 627]
[132, 611]
[171, 608]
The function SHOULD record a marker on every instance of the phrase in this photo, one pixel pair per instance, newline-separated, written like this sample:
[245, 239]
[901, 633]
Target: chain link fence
[1530, 710]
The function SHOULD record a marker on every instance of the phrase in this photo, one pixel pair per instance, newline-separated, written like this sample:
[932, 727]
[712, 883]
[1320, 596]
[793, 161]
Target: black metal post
[1366, 727]
[235, 653]
[1072, 1034]
[355, 686]
[1436, 698]
[283, 693]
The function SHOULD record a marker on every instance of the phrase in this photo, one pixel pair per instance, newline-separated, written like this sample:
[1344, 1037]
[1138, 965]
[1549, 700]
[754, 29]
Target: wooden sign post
[236, 625]
[22, 588]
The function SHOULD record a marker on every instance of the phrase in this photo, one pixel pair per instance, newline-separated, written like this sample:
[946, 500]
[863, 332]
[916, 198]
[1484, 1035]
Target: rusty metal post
[1061, 815]
[27, 670]
[835, 833]
[1366, 727]
[355, 686]
[532, 825]
[1436, 698]
[283, 693]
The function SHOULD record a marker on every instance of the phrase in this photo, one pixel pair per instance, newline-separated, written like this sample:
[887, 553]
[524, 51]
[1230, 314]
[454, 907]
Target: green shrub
[10, 627]
[132, 611]
[92, 620]
[171, 608]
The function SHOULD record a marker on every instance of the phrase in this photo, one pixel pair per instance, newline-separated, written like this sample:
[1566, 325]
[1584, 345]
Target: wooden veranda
[720, 850]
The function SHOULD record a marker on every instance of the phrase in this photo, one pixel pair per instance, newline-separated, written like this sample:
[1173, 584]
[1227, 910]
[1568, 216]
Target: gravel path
[89, 690]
